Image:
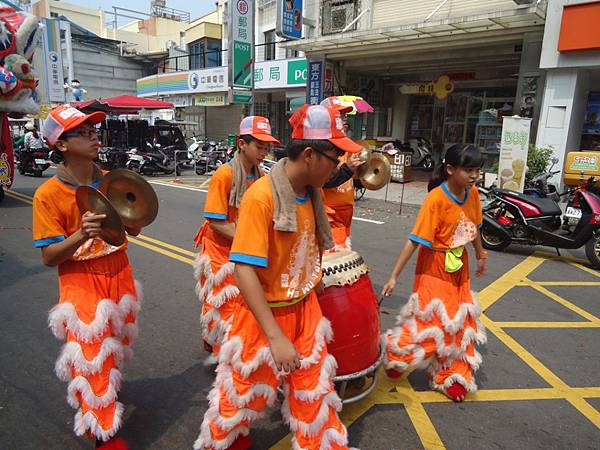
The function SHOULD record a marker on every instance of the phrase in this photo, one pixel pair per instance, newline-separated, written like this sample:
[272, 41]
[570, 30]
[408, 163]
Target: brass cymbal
[132, 196]
[376, 172]
[90, 199]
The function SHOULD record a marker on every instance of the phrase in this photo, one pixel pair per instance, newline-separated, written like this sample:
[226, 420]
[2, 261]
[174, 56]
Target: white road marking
[192, 188]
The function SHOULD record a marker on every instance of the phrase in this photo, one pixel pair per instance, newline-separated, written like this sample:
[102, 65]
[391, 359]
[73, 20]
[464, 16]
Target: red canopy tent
[122, 104]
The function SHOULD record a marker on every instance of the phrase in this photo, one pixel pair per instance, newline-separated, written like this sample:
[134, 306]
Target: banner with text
[241, 43]
[514, 148]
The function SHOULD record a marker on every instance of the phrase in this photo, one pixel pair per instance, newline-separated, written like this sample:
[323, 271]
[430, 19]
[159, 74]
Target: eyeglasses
[335, 161]
[90, 133]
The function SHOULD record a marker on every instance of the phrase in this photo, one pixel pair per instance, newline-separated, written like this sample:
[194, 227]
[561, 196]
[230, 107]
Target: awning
[123, 104]
[498, 26]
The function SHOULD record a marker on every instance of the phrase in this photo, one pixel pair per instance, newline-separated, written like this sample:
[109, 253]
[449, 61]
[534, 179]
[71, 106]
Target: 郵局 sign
[241, 43]
[579, 27]
[441, 88]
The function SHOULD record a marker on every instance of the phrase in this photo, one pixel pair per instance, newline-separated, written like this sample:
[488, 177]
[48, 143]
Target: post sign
[314, 88]
[289, 19]
[53, 59]
[241, 43]
[282, 73]
[514, 147]
[237, 96]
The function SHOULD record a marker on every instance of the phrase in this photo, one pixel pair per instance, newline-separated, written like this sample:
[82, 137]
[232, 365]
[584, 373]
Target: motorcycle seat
[547, 206]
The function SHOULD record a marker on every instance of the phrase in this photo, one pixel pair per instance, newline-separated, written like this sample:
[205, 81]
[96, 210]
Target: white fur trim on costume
[310, 429]
[129, 304]
[323, 335]
[86, 422]
[205, 440]
[224, 381]
[130, 331]
[81, 385]
[231, 353]
[469, 386]
[63, 317]
[226, 294]
[213, 315]
[203, 268]
[228, 423]
[324, 385]
[72, 355]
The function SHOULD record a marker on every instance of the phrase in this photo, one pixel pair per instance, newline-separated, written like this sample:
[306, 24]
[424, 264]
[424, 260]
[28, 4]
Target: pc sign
[241, 43]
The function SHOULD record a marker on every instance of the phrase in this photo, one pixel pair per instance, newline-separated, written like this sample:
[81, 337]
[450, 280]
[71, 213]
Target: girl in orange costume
[99, 299]
[213, 272]
[439, 326]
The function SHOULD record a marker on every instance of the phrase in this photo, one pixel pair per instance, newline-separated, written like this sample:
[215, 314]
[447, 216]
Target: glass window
[213, 55]
[270, 45]
[196, 50]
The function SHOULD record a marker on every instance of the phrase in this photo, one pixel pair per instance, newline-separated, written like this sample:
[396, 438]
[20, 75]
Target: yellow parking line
[19, 196]
[160, 250]
[560, 283]
[506, 282]
[166, 245]
[591, 413]
[548, 324]
[205, 183]
[567, 304]
[594, 272]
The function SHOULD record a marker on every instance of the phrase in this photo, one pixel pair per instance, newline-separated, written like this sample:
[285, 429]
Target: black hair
[247, 138]
[295, 148]
[457, 155]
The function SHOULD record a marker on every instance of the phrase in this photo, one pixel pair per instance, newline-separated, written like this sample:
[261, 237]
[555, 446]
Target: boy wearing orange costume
[278, 333]
[99, 299]
[215, 284]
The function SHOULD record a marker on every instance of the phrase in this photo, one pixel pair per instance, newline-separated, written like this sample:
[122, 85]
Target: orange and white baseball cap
[64, 118]
[335, 103]
[319, 123]
[259, 128]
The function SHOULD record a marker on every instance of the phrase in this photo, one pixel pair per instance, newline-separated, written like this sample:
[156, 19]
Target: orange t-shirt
[217, 205]
[56, 217]
[342, 195]
[288, 264]
[444, 222]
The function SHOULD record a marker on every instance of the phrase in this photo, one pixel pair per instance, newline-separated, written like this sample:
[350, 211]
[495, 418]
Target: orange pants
[217, 291]
[439, 326]
[247, 381]
[99, 302]
[340, 219]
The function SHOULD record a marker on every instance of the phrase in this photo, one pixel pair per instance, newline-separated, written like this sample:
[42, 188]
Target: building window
[204, 53]
[291, 53]
[270, 45]
[53, 14]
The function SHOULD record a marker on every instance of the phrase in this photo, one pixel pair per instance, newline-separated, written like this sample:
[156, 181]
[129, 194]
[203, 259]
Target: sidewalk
[414, 190]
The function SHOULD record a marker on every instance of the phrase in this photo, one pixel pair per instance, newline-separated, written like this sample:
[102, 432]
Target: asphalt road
[539, 382]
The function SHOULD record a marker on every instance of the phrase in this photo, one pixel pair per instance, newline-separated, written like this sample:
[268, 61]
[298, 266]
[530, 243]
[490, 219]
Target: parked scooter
[157, 161]
[110, 158]
[421, 149]
[539, 186]
[33, 162]
[512, 217]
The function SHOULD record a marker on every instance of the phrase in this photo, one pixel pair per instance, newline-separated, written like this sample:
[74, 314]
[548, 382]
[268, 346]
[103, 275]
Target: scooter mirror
[554, 160]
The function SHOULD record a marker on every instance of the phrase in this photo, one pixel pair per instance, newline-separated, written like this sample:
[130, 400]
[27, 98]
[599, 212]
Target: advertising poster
[314, 90]
[514, 147]
[289, 19]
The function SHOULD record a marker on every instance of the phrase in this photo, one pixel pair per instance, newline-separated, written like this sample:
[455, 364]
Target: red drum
[350, 303]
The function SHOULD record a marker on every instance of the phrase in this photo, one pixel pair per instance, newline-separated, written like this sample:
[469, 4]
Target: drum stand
[342, 381]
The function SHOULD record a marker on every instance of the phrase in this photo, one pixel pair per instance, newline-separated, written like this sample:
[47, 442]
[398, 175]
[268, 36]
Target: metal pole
[435, 10]
[401, 198]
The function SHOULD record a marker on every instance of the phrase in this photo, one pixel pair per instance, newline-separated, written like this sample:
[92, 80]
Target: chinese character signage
[53, 58]
[289, 19]
[214, 79]
[241, 42]
[328, 80]
[219, 99]
[281, 73]
[514, 147]
[441, 88]
[314, 87]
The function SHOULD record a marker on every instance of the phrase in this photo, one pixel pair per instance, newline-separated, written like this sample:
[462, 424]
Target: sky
[196, 8]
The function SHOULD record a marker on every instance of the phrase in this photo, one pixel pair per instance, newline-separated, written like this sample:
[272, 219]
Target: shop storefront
[202, 96]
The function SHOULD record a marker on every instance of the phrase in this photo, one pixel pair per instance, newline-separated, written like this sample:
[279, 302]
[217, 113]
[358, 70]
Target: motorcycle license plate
[573, 212]
[40, 161]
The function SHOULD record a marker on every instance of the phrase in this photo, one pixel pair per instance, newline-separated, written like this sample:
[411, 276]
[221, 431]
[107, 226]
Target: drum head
[342, 268]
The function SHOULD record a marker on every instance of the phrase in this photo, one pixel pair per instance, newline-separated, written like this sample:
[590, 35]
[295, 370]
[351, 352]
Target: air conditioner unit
[337, 14]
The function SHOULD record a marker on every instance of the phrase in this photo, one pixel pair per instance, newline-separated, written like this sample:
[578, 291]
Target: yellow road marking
[166, 245]
[567, 304]
[19, 196]
[506, 282]
[205, 183]
[160, 250]
[548, 324]
[594, 272]
[560, 283]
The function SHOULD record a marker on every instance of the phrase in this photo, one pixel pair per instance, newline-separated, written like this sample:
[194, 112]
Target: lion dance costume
[439, 326]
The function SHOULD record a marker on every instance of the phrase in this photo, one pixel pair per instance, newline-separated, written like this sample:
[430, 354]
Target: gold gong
[132, 196]
[90, 199]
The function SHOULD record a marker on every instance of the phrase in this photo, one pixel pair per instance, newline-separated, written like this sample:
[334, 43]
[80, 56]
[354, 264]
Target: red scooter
[512, 217]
